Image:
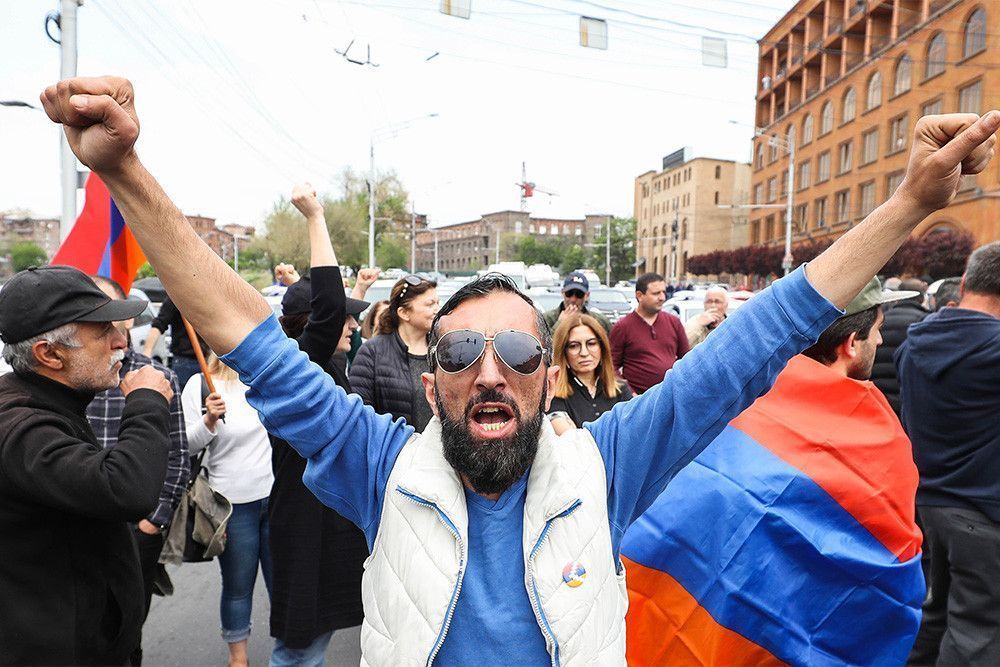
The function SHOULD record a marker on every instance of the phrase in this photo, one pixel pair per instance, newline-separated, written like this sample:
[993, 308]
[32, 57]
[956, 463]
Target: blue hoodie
[949, 377]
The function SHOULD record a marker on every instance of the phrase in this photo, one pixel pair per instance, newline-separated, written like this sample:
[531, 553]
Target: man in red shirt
[646, 342]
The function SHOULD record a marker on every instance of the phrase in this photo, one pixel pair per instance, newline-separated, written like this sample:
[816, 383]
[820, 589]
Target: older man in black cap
[69, 570]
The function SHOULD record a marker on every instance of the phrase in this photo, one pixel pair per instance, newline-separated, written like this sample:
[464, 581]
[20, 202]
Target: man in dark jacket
[576, 292]
[69, 569]
[898, 319]
[949, 374]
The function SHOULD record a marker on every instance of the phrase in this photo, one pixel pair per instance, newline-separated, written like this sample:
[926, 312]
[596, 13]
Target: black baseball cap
[298, 299]
[42, 298]
[576, 281]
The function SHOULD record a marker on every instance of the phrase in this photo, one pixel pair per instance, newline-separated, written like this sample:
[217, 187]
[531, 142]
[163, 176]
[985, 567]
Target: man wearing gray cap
[69, 570]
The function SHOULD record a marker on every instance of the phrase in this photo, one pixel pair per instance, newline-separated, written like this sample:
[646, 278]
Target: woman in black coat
[317, 555]
[386, 371]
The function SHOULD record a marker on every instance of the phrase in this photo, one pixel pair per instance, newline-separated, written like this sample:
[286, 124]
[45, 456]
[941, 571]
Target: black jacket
[380, 374]
[897, 320]
[582, 407]
[949, 374]
[317, 556]
[70, 587]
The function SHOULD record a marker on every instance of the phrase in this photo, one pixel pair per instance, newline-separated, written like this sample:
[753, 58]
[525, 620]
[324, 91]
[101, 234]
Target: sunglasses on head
[411, 281]
[459, 350]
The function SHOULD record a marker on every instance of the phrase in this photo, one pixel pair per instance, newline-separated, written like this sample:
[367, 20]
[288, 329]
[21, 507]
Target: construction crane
[528, 188]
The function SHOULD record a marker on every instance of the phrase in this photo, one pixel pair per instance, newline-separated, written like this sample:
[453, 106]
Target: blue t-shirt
[643, 442]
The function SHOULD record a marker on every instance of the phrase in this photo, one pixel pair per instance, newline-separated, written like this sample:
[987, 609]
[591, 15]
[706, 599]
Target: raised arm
[320, 247]
[101, 125]
[944, 148]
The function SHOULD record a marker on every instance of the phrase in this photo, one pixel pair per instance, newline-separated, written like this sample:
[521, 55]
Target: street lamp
[380, 133]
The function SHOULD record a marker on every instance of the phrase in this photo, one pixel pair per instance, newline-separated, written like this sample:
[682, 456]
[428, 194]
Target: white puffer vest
[413, 576]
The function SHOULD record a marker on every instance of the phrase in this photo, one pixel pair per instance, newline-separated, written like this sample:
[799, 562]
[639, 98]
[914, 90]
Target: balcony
[835, 28]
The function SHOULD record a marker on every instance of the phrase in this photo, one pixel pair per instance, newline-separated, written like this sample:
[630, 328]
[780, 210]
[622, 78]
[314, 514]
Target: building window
[518, 227]
[784, 183]
[760, 155]
[850, 106]
[790, 136]
[867, 195]
[932, 108]
[937, 56]
[801, 219]
[755, 232]
[805, 176]
[684, 230]
[807, 130]
[758, 193]
[843, 206]
[899, 129]
[874, 97]
[846, 153]
[970, 98]
[772, 189]
[820, 208]
[772, 154]
[718, 171]
[826, 119]
[823, 167]
[869, 146]
[904, 70]
[716, 196]
[975, 33]
[579, 230]
[769, 228]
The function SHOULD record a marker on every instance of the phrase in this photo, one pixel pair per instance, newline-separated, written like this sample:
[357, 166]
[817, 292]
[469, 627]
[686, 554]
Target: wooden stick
[193, 337]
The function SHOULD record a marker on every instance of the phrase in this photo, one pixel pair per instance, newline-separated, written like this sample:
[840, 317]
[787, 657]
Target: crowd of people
[460, 479]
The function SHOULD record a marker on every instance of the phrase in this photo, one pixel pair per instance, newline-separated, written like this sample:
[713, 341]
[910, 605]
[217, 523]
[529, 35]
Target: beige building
[677, 212]
[43, 232]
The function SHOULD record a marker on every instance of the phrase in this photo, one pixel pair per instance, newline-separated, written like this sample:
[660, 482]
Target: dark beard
[490, 467]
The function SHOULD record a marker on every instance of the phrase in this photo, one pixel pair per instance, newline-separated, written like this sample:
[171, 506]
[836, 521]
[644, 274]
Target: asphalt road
[183, 629]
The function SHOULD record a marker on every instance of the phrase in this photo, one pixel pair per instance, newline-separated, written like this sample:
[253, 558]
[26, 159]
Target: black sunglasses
[459, 350]
[579, 294]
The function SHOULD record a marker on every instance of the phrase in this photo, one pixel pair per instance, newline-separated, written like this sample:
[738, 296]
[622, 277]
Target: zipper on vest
[543, 622]
[443, 518]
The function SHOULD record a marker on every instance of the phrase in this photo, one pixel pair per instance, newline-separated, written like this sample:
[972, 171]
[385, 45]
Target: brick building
[221, 240]
[470, 246]
[43, 232]
[844, 82]
[677, 211]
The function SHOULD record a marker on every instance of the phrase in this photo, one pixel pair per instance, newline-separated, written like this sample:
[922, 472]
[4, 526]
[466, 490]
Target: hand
[216, 408]
[708, 318]
[366, 277]
[569, 311]
[944, 148]
[304, 198]
[98, 117]
[148, 528]
[286, 274]
[146, 377]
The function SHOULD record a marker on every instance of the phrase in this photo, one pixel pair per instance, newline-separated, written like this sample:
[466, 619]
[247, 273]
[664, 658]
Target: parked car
[611, 302]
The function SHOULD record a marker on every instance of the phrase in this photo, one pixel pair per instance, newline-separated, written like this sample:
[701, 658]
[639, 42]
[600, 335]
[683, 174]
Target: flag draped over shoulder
[790, 539]
[100, 243]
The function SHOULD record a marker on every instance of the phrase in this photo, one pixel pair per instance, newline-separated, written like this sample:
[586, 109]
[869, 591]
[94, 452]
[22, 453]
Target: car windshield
[608, 299]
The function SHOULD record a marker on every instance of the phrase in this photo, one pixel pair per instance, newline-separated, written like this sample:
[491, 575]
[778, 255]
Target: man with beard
[69, 570]
[493, 540]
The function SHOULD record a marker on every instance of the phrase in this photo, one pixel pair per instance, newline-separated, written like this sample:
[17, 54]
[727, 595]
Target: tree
[622, 249]
[391, 253]
[534, 251]
[945, 252]
[25, 254]
[145, 271]
[573, 258]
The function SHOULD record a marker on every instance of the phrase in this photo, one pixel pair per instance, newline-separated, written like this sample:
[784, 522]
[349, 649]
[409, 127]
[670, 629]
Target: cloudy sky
[238, 101]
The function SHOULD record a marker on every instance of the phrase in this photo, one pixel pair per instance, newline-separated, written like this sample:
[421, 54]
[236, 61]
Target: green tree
[537, 251]
[145, 271]
[25, 254]
[391, 253]
[622, 249]
[572, 259]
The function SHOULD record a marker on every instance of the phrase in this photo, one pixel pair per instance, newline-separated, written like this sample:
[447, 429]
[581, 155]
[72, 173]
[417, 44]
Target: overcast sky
[238, 101]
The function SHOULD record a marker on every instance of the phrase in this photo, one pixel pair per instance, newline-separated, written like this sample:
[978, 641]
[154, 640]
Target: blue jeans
[246, 546]
[310, 656]
[184, 368]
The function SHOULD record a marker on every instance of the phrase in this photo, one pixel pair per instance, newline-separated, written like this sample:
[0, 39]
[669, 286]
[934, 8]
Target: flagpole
[67, 161]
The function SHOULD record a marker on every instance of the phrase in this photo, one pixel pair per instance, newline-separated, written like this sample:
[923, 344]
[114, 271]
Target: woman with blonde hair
[238, 461]
[587, 386]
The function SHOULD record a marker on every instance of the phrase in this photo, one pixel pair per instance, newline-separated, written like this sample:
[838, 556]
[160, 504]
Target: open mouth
[492, 418]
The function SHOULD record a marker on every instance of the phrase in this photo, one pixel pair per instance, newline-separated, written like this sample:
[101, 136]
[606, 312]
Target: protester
[702, 324]
[948, 369]
[369, 328]
[105, 414]
[576, 293]
[948, 294]
[238, 461]
[492, 540]
[587, 386]
[898, 318]
[647, 342]
[69, 572]
[285, 275]
[387, 369]
[317, 555]
[182, 357]
[808, 499]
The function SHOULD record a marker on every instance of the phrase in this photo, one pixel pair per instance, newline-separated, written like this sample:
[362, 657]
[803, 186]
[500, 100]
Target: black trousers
[149, 555]
[961, 619]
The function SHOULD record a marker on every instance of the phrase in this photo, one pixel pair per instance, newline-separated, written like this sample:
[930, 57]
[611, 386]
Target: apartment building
[678, 215]
[842, 85]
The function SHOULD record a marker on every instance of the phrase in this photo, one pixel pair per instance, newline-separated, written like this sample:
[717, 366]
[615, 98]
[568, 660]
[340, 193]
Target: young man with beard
[70, 581]
[492, 540]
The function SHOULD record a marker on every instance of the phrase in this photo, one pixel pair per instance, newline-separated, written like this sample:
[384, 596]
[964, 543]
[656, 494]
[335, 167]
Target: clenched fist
[146, 377]
[98, 116]
[368, 276]
[304, 198]
[215, 409]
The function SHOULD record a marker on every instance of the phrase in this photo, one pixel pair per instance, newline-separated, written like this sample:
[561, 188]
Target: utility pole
[67, 161]
[786, 262]
[435, 251]
[413, 237]
[371, 203]
[497, 260]
[674, 235]
[607, 255]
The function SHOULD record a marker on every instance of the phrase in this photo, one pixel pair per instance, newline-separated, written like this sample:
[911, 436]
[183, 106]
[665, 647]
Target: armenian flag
[100, 243]
[789, 540]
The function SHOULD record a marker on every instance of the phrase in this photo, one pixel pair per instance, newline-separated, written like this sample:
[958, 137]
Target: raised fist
[944, 148]
[146, 377]
[368, 276]
[304, 198]
[286, 274]
[98, 116]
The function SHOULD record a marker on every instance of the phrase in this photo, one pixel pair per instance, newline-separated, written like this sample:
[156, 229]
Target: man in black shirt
[183, 362]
